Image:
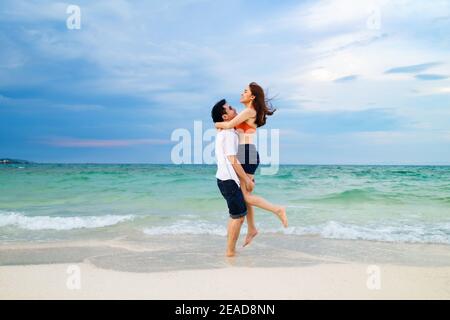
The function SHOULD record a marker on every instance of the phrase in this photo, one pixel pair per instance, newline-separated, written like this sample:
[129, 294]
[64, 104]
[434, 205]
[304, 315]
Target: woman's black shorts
[248, 157]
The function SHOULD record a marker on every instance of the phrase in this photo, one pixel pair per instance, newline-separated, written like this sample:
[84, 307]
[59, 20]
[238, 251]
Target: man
[229, 170]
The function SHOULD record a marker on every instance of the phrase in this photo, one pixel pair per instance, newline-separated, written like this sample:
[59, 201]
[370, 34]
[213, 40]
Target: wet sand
[194, 267]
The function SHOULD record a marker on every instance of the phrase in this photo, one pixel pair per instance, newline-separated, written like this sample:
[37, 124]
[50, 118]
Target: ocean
[52, 202]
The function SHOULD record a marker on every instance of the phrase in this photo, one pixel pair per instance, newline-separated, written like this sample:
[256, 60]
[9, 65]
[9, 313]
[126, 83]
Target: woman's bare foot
[250, 235]
[281, 213]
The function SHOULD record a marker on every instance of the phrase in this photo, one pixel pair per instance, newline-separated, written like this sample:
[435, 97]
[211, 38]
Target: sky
[354, 82]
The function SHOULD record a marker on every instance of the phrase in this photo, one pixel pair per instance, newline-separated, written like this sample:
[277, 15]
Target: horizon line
[214, 164]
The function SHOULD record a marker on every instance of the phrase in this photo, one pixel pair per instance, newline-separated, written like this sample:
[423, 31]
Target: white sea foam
[393, 232]
[329, 230]
[422, 233]
[188, 227]
[22, 221]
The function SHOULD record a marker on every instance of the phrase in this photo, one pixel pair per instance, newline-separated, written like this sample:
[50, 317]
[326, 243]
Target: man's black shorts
[234, 197]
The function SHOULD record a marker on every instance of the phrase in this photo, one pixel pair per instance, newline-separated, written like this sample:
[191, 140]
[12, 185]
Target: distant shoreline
[14, 161]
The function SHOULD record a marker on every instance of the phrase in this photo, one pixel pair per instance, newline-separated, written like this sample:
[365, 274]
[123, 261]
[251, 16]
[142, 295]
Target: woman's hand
[220, 125]
[241, 117]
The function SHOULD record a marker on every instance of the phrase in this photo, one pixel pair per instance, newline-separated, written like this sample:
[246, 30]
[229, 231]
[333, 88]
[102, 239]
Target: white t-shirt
[226, 145]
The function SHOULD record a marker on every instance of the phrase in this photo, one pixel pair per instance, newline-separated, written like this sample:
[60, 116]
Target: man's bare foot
[281, 213]
[230, 253]
[250, 236]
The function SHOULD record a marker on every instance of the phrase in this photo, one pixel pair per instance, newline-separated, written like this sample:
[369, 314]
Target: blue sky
[364, 82]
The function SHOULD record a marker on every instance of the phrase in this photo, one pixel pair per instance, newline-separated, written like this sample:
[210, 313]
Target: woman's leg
[262, 203]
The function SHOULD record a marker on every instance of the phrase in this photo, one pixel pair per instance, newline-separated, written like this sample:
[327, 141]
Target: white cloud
[69, 142]
[32, 11]
[335, 42]
[332, 13]
[39, 105]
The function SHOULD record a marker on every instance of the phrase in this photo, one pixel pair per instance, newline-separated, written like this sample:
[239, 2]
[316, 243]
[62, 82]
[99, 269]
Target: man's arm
[249, 184]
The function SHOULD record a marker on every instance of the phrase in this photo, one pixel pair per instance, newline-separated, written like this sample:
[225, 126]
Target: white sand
[325, 281]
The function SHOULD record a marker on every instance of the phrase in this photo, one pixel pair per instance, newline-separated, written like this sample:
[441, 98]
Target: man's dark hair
[218, 111]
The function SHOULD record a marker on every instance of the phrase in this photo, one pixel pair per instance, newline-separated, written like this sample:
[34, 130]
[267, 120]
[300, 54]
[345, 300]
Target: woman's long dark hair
[263, 106]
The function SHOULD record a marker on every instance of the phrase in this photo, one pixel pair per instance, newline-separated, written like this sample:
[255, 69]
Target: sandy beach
[140, 270]
[335, 281]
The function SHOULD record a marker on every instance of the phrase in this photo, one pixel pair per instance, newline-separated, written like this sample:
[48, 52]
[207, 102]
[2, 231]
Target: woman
[245, 123]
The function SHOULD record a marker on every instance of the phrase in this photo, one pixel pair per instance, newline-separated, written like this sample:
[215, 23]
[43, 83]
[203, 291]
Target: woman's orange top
[244, 126]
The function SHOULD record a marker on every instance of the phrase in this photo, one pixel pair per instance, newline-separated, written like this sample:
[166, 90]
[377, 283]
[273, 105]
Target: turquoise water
[43, 202]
